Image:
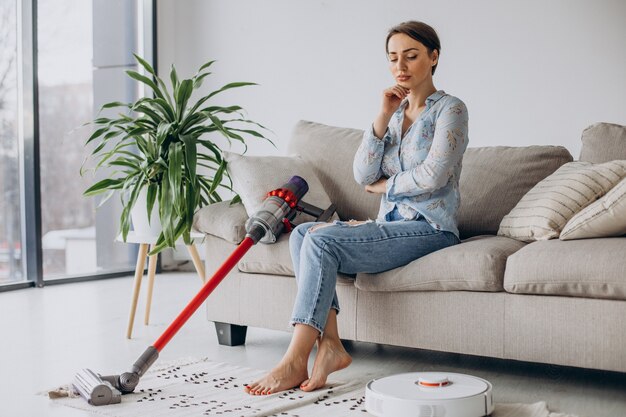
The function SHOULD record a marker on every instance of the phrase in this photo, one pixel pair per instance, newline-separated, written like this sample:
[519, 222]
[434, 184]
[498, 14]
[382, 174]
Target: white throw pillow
[543, 212]
[254, 176]
[604, 218]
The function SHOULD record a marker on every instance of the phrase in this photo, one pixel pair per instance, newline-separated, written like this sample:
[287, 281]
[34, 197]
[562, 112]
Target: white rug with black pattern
[200, 387]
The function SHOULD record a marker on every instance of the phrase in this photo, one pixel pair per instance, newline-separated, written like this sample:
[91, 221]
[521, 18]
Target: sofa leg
[230, 334]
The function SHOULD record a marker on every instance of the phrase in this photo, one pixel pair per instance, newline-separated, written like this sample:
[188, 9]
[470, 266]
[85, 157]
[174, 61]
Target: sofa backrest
[493, 179]
[603, 142]
[330, 150]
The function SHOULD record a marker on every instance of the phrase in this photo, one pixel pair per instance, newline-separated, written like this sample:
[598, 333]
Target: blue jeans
[370, 247]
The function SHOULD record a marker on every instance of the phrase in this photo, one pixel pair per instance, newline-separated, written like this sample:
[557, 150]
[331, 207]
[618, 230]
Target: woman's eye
[393, 60]
[411, 57]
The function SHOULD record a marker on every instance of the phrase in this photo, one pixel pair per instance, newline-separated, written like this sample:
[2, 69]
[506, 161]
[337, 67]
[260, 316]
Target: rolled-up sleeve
[449, 144]
[368, 158]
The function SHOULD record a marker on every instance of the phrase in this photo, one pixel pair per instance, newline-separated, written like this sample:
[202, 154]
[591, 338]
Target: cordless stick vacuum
[274, 217]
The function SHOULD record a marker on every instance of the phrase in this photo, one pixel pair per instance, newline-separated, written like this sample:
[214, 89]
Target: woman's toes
[251, 388]
[311, 386]
[258, 388]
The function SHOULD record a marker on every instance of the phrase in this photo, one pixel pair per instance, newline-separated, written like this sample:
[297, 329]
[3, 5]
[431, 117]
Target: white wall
[530, 72]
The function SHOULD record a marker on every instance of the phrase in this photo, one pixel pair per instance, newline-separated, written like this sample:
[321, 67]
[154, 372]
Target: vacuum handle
[320, 215]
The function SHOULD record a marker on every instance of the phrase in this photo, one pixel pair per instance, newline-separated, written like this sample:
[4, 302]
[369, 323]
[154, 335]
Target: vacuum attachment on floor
[96, 390]
[104, 390]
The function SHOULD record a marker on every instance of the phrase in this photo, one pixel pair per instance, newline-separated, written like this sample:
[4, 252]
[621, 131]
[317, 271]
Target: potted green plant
[157, 147]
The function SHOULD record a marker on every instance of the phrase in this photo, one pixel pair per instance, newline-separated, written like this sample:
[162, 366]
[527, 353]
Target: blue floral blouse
[423, 167]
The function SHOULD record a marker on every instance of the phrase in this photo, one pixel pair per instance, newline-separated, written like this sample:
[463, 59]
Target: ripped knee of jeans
[319, 226]
[349, 223]
[358, 222]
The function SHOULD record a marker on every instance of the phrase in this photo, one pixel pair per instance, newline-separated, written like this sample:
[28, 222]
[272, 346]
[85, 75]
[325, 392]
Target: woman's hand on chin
[379, 187]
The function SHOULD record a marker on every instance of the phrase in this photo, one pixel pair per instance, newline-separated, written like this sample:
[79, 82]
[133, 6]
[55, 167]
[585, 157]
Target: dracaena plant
[159, 143]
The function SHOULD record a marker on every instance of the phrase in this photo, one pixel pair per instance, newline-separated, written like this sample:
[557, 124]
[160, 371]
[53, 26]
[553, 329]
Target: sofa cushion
[603, 142]
[330, 151]
[223, 219]
[494, 179]
[254, 176]
[593, 268]
[275, 259]
[603, 218]
[544, 210]
[477, 264]
[269, 259]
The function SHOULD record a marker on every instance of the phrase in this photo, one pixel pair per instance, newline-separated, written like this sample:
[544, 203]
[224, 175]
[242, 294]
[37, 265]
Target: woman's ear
[435, 57]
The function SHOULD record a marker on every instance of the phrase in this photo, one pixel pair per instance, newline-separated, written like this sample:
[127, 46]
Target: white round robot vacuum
[429, 394]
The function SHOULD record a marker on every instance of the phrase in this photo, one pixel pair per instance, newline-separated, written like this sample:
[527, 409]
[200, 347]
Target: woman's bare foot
[287, 374]
[331, 357]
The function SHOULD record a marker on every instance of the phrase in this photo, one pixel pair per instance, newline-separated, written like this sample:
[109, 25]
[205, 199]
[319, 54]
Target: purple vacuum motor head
[297, 185]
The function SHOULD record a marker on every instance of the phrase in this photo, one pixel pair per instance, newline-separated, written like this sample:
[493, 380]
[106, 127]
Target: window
[10, 198]
[51, 84]
[65, 45]
[82, 64]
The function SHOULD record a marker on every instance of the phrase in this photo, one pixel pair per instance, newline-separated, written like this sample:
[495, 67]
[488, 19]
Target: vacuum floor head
[429, 394]
[103, 390]
[96, 390]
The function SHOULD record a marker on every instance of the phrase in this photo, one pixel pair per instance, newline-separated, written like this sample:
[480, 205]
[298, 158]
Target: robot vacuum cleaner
[429, 394]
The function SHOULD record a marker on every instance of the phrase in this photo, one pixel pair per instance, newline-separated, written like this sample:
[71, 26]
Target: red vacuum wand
[274, 217]
[205, 291]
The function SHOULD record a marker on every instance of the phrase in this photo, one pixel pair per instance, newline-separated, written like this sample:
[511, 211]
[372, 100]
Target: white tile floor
[46, 335]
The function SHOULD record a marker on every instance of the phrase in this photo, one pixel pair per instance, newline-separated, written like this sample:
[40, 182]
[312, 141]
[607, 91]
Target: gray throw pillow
[254, 176]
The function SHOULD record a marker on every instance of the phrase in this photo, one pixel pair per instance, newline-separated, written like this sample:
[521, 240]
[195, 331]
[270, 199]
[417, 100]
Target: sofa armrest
[223, 219]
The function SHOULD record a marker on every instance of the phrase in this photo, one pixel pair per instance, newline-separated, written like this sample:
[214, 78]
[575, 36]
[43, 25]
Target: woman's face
[409, 61]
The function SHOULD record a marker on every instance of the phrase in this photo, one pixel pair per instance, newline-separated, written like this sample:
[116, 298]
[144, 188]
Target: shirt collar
[435, 97]
[430, 100]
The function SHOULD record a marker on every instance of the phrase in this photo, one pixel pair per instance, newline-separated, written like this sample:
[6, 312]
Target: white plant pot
[139, 216]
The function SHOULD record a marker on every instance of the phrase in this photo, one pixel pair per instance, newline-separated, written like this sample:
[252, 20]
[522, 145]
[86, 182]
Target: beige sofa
[556, 302]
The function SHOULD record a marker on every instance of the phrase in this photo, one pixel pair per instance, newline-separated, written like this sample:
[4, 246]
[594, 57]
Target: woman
[412, 157]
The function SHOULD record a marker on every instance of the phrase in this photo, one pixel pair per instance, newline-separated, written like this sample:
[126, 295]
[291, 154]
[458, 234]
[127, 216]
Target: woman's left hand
[379, 187]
